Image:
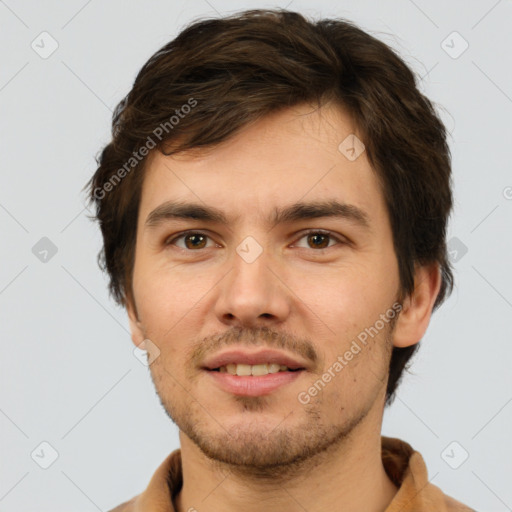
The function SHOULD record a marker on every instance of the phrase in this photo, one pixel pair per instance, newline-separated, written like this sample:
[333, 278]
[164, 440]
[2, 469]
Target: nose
[253, 294]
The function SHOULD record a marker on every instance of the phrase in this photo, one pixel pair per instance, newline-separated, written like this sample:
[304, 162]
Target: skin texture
[308, 302]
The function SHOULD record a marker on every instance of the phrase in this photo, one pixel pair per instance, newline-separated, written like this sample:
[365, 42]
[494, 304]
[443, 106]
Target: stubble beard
[256, 450]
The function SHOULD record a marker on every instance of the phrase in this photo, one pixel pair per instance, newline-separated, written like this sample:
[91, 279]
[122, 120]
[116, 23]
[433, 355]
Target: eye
[192, 240]
[318, 239]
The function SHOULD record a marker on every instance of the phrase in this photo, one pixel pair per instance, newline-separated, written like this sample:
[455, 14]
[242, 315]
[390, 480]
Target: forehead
[284, 158]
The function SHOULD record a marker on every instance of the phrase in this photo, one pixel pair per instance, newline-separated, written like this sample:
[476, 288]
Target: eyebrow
[295, 212]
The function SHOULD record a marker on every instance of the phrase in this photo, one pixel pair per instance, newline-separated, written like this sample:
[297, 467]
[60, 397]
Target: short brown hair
[234, 70]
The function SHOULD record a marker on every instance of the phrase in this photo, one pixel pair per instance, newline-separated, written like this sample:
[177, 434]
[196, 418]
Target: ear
[417, 308]
[136, 327]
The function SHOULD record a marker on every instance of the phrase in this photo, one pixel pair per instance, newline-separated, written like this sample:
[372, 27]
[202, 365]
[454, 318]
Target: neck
[348, 476]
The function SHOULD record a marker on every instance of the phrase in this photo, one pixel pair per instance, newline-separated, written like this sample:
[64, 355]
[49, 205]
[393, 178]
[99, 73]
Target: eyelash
[304, 234]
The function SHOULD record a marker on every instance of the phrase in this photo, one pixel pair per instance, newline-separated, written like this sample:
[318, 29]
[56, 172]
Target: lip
[235, 356]
[253, 385]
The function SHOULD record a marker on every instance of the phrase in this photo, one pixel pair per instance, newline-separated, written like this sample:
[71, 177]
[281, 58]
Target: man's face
[227, 292]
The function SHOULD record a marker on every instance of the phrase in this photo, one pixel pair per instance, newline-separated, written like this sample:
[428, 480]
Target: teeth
[259, 369]
[243, 369]
[255, 369]
[274, 368]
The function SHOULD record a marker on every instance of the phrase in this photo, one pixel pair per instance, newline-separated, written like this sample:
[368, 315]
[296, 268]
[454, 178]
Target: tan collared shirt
[404, 466]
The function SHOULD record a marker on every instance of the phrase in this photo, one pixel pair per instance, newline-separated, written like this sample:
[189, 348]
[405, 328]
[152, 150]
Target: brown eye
[319, 240]
[192, 240]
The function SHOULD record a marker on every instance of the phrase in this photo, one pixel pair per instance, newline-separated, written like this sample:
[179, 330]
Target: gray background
[68, 372]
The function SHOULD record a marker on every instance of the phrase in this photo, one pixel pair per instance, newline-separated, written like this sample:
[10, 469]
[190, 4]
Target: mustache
[258, 336]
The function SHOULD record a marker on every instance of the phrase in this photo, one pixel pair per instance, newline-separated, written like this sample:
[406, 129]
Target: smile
[254, 369]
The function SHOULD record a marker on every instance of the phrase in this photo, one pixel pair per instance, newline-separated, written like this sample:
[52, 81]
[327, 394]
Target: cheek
[167, 292]
[352, 308]
[168, 382]
[350, 391]
[169, 303]
[346, 300]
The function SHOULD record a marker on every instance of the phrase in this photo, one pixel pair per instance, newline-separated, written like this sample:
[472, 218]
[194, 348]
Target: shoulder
[165, 482]
[408, 471]
[453, 505]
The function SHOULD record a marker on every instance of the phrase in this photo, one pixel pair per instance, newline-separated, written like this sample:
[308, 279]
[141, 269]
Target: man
[274, 206]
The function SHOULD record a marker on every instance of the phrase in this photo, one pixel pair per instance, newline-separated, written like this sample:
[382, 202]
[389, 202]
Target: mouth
[254, 370]
[253, 374]
[253, 385]
[242, 362]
